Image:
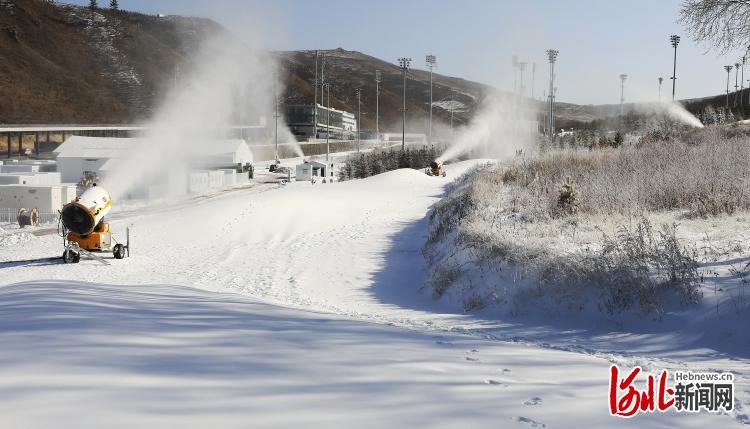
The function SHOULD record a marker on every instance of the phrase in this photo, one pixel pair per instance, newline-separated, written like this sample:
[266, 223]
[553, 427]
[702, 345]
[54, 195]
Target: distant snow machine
[84, 230]
[436, 169]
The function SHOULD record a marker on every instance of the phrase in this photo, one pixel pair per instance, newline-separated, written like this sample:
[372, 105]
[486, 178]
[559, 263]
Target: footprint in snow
[530, 422]
[496, 383]
[506, 371]
[533, 401]
[471, 359]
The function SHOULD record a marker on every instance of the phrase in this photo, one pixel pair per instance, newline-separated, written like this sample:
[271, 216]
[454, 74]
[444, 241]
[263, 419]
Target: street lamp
[622, 93]
[675, 40]
[431, 62]
[404, 64]
[728, 69]
[552, 57]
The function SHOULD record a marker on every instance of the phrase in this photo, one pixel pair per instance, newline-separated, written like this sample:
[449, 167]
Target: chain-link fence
[10, 215]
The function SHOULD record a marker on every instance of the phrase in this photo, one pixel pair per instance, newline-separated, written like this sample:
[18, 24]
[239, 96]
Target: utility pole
[521, 69]
[404, 64]
[431, 62]
[622, 94]
[661, 79]
[533, 76]
[315, 106]
[515, 72]
[728, 69]
[358, 91]
[675, 39]
[377, 104]
[552, 57]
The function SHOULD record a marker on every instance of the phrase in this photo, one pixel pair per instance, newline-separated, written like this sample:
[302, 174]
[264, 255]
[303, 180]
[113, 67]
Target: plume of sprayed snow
[677, 112]
[504, 125]
[225, 83]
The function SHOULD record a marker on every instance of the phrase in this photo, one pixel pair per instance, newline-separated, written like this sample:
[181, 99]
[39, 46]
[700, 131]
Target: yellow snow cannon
[436, 168]
[84, 229]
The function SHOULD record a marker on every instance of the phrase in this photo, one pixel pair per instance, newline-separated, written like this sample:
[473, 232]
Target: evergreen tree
[113, 5]
[93, 5]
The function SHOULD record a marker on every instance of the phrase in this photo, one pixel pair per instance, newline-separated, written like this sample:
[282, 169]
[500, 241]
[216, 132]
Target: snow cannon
[84, 228]
[436, 168]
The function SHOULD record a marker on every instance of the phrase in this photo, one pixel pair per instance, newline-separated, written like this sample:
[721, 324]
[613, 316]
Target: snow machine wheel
[71, 257]
[119, 251]
[444, 174]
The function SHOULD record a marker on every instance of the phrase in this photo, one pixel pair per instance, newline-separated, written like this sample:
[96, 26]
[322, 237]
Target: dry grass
[704, 179]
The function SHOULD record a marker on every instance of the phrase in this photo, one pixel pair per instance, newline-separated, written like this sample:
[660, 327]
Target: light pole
[622, 94]
[533, 76]
[328, 121]
[431, 62]
[358, 91]
[736, 86]
[315, 106]
[552, 56]
[276, 119]
[728, 69]
[521, 69]
[675, 40]
[453, 107]
[404, 64]
[661, 79]
[377, 104]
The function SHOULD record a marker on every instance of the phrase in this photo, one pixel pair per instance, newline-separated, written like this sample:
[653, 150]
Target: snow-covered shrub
[359, 166]
[486, 253]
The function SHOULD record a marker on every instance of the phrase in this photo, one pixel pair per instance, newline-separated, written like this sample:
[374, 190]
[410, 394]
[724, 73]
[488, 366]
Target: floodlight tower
[736, 86]
[431, 62]
[404, 64]
[533, 76]
[453, 108]
[521, 69]
[315, 106]
[622, 94]
[358, 91]
[377, 104]
[661, 79]
[675, 40]
[728, 69]
[327, 87]
[552, 57]
[276, 119]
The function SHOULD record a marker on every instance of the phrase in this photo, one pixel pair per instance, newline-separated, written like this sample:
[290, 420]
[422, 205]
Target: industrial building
[300, 118]
[33, 184]
[79, 157]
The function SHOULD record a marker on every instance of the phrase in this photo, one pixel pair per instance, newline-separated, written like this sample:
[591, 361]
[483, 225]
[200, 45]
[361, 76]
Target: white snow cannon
[84, 228]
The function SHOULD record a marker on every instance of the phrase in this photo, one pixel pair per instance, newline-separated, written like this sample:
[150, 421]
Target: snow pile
[7, 240]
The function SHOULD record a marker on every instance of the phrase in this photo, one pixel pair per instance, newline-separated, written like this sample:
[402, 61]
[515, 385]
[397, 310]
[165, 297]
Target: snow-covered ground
[298, 306]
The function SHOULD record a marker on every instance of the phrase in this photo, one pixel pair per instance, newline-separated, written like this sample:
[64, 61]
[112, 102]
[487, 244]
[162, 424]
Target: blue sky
[475, 39]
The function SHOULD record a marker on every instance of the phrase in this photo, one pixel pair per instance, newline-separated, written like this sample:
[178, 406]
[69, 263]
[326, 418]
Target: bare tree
[722, 24]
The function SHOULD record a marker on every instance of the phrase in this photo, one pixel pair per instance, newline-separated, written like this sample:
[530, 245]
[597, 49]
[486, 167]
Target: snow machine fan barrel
[84, 214]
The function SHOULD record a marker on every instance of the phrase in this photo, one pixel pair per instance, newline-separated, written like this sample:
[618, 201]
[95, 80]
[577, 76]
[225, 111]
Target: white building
[78, 155]
[309, 169]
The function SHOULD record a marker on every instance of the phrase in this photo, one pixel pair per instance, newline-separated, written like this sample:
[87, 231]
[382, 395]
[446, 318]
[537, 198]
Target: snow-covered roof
[234, 150]
[95, 147]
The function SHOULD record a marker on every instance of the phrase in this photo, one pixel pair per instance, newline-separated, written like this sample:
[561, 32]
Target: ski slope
[292, 306]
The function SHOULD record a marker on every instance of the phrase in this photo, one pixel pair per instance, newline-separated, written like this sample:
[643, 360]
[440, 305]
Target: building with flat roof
[301, 118]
